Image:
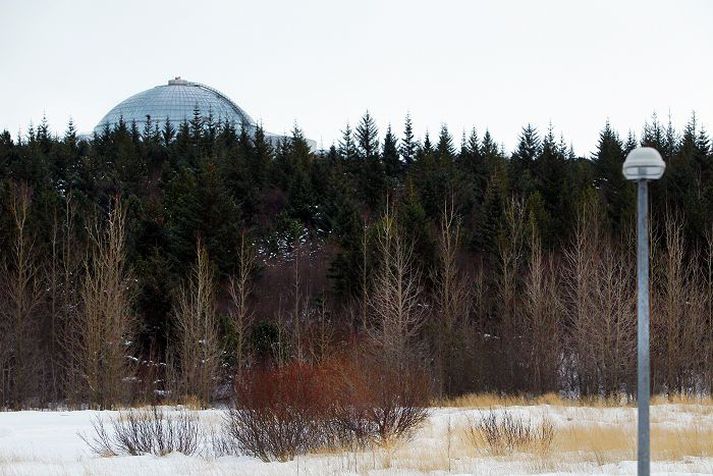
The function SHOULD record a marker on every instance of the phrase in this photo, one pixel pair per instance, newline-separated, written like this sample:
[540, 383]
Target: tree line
[166, 262]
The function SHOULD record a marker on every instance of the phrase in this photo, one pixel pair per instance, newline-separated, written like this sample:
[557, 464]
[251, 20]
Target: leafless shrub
[297, 408]
[378, 403]
[280, 412]
[504, 433]
[146, 431]
[221, 442]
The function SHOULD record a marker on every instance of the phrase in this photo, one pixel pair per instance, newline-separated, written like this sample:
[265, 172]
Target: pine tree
[259, 163]
[551, 169]
[347, 148]
[683, 188]
[196, 124]
[475, 169]
[654, 135]
[615, 192]
[671, 140]
[631, 143]
[371, 175]
[146, 134]
[426, 148]
[390, 156]
[492, 215]
[445, 150]
[522, 161]
[367, 138]
[489, 150]
[168, 133]
[408, 147]
[70, 135]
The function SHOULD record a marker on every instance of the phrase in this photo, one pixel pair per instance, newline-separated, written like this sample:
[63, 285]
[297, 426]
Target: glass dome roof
[175, 101]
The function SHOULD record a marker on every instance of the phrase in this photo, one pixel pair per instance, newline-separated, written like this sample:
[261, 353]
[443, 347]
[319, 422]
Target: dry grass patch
[677, 443]
[493, 400]
[487, 400]
[602, 443]
[597, 443]
[682, 399]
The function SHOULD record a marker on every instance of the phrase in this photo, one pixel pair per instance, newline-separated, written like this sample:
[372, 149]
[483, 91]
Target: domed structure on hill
[176, 102]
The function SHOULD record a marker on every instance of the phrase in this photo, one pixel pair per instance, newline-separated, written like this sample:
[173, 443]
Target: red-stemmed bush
[282, 412]
[377, 402]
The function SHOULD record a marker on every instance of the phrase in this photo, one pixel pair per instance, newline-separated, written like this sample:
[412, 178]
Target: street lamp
[643, 164]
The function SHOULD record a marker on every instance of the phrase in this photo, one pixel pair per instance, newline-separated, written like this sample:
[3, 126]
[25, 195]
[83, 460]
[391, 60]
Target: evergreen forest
[164, 262]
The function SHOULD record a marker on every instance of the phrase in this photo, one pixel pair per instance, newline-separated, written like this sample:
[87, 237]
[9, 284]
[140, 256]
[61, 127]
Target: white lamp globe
[643, 163]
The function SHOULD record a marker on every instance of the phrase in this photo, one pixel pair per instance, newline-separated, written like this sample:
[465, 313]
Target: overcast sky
[495, 64]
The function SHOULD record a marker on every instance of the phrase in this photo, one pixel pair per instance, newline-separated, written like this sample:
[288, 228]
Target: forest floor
[598, 439]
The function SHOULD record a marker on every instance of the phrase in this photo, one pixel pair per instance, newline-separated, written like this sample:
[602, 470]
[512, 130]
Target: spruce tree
[367, 138]
[474, 167]
[654, 136]
[683, 187]
[347, 148]
[444, 149]
[551, 170]
[168, 133]
[426, 148]
[390, 156]
[196, 124]
[408, 147]
[372, 178]
[522, 161]
[615, 191]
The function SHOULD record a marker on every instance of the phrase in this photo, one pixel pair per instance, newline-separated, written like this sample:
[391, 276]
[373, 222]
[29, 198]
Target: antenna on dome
[177, 81]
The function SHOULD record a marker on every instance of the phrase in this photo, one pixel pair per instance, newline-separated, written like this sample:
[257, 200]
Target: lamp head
[643, 163]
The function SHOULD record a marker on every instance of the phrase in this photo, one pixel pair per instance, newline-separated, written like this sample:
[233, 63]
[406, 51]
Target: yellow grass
[607, 443]
[682, 399]
[487, 400]
[586, 433]
[580, 438]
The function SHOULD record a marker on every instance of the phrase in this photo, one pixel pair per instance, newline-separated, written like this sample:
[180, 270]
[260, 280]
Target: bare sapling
[21, 295]
[196, 344]
[239, 289]
[105, 326]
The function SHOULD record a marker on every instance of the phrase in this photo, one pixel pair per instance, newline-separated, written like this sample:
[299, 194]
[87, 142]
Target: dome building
[176, 102]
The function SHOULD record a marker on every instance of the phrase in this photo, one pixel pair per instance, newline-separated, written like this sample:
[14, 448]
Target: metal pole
[643, 390]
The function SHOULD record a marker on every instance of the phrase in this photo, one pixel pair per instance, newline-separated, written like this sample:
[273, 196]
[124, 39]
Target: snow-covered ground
[48, 443]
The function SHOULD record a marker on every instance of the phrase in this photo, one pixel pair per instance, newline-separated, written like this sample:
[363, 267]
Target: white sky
[321, 63]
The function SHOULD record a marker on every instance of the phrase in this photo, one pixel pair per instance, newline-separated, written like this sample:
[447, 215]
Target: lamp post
[641, 165]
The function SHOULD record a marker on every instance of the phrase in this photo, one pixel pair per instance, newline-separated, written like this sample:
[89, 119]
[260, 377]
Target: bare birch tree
[22, 293]
[298, 306]
[678, 317]
[197, 343]
[103, 330]
[396, 308]
[510, 257]
[239, 288]
[600, 310]
[708, 320]
[452, 305]
[542, 319]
